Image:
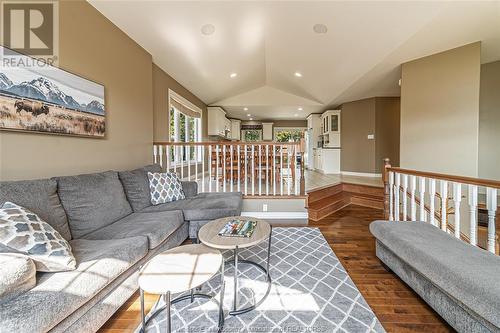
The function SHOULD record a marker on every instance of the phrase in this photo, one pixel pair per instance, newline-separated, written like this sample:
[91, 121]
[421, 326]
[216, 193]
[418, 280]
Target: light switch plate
[264, 207]
[371, 136]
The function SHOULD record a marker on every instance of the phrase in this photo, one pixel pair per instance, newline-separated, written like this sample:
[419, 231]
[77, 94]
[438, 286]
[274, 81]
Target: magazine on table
[238, 228]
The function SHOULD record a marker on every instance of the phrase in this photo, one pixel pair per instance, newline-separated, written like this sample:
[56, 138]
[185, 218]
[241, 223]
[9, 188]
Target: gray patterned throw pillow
[24, 232]
[165, 187]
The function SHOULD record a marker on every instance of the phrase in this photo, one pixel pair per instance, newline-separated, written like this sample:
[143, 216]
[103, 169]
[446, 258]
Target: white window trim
[198, 130]
[182, 100]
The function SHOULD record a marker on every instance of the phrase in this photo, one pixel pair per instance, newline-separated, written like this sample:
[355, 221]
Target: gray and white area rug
[311, 292]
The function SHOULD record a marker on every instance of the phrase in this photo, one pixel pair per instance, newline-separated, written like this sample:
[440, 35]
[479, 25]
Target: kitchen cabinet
[267, 131]
[235, 129]
[330, 128]
[218, 124]
[327, 160]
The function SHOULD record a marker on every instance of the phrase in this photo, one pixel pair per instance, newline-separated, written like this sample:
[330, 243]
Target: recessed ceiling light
[295, 115]
[245, 109]
[320, 28]
[207, 29]
[233, 75]
[251, 118]
[297, 74]
[300, 109]
[249, 115]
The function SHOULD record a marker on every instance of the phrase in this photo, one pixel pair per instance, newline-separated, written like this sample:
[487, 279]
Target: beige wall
[489, 121]
[91, 46]
[387, 126]
[378, 116]
[357, 121]
[440, 112]
[161, 83]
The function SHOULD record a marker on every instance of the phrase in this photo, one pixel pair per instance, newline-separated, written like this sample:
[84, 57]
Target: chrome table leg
[168, 304]
[235, 300]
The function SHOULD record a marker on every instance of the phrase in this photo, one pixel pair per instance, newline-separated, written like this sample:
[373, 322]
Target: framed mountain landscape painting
[46, 99]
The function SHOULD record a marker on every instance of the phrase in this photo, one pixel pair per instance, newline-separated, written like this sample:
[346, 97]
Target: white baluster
[288, 158]
[182, 162]
[260, 169]
[224, 161]
[155, 154]
[160, 154]
[444, 197]
[491, 198]
[253, 170]
[457, 197]
[195, 151]
[267, 169]
[391, 196]
[432, 209]
[413, 187]
[245, 151]
[217, 149]
[397, 184]
[203, 168]
[231, 170]
[405, 197]
[188, 160]
[274, 169]
[296, 170]
[167, 153]
[281, 169]
[421, 189]
[239, 169]
[472, 194]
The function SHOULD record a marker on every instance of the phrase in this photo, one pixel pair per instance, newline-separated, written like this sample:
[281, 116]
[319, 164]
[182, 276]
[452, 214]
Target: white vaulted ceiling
[266, 42]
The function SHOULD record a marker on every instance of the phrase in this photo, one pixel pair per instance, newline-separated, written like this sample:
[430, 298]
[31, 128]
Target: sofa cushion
[466, 273]
[92, 201]
[136, 185]
[155, 226]
[40, 196]
[17, 275]
[57, 295]
[165, 187]
[24, 231]
[204, 206]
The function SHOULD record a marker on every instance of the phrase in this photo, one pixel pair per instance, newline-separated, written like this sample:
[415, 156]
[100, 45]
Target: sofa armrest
[190, 189]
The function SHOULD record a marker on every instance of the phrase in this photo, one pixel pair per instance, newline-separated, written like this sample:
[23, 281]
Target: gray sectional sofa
[113, 229]
[459, 281]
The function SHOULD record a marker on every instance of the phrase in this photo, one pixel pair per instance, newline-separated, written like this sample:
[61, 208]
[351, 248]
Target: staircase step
[326, 206]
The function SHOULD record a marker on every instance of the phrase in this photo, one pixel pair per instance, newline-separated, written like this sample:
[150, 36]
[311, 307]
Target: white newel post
[457, 198]
[472, 194]
[155, 154]
[491, 198]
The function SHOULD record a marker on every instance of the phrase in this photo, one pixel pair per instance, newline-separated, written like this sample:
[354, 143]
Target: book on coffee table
[238, 228]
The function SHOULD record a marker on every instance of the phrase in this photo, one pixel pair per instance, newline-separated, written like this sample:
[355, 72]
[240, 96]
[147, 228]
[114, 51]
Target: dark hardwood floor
[398, 308]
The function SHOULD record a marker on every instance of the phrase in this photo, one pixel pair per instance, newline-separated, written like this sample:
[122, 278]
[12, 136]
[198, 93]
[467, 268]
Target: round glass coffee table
[178, 270]
[209, 235]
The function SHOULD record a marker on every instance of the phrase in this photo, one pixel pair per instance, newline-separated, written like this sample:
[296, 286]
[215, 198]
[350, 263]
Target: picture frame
[40, 98]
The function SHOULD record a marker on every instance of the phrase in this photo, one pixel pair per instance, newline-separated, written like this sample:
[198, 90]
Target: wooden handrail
[452, 178]
[227, 143]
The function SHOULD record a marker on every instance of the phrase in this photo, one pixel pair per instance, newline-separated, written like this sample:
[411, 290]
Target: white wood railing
[449, 202]
[255, 169]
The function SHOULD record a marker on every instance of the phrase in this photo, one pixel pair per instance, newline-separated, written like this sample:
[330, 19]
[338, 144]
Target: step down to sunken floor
[325, 201]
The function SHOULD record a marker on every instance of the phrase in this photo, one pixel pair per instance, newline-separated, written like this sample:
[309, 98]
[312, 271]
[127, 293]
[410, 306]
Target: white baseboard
[361, 174]
[277, 215]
